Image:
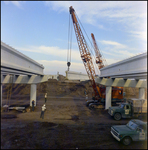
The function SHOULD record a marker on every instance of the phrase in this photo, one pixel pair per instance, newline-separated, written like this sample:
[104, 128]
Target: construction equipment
[99, 92]
[84, 52]
[99, 59]
[117, 92]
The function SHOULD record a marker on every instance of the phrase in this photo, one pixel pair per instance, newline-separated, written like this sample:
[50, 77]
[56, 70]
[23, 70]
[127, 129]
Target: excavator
[99, 92]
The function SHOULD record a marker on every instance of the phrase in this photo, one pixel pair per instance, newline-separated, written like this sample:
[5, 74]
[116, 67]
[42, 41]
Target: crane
[100, 62]
[85, 54]
[99, 93]
[99, 59]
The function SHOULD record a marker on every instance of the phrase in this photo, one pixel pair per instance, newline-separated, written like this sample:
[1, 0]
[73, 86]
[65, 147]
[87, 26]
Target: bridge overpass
[17, 68]
[133, 67]
[131, 72]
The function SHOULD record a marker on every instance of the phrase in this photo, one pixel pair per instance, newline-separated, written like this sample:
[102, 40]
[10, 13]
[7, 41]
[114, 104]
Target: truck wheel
[87, 104]
[127, 141]
[117, 116]
[24, 111]
[91, 106]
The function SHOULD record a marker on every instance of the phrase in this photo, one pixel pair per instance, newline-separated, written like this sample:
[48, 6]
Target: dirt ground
[67, 123]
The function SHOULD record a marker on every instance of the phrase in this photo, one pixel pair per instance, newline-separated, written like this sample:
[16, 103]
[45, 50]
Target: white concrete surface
[134, 67]
[14, 62]
[33, 94]
[141, 93]
[71, 75]
[108, 97]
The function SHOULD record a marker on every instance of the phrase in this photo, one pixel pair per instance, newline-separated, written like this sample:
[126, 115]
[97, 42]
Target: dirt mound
[61, 88]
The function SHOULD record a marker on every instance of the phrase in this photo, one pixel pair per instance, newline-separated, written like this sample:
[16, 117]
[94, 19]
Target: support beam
[141, 93]
[1, 93]
[122, 82]
[33, 94]
[108, 97]
[24, 79]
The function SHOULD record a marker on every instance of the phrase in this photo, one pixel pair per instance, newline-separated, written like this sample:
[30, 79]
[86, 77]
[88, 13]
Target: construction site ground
[67, 123]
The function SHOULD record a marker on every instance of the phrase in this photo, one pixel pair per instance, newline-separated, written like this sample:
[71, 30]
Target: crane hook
[68, 64]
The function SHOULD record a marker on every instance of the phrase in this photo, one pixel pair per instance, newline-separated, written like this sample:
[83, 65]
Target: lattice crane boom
[84, 52]
[99, 60]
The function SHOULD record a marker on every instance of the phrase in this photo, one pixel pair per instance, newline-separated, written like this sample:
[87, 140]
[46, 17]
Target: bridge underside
[120, 82]
[23, 79]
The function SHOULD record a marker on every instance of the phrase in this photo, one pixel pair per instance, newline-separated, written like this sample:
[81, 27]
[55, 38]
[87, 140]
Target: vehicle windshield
[132, 125]
[121, 105]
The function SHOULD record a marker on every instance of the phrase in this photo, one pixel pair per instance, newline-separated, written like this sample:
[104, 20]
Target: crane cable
[69, 44]
[89, 47]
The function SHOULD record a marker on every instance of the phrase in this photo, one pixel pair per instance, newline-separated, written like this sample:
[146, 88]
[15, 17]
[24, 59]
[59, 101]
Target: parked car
[134, 130]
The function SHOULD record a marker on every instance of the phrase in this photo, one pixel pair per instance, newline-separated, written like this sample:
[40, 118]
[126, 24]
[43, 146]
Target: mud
[67, 123]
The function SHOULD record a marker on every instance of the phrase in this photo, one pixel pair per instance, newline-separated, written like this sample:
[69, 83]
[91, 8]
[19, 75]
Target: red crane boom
[84, 52]
[99, 60]
[117, 93]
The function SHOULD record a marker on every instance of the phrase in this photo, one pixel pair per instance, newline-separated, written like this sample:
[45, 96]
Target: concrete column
[1, 94]
[108, 97]
[33, 94]
[141, 93]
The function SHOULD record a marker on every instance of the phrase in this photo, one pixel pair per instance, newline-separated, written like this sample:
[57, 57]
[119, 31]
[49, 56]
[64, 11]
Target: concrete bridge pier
[1, 93]
[141, 93]
[108, 97]
[33, 94]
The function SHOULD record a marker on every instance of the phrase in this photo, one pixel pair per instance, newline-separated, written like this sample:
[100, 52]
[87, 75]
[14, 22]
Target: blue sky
[39, 29]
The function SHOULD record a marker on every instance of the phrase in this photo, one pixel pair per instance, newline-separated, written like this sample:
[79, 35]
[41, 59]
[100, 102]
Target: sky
[41, 30]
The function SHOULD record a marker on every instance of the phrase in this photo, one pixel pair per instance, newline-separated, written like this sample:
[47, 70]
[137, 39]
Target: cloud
[16, 3]
[53, 51]
[140, 35]
[52, 67]
[111, 61]
[116, 51]
[118, 45]
[130, 15]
